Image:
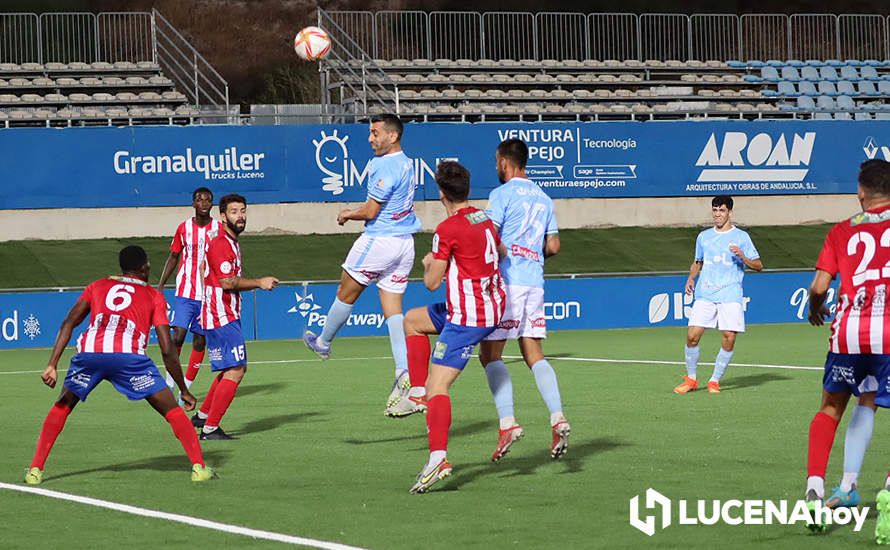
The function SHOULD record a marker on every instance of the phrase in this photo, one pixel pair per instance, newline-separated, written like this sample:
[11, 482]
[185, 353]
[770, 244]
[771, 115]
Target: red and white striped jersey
[468, 240]
[190, 242]
[221, 306]
[122, 312]
[859, 249]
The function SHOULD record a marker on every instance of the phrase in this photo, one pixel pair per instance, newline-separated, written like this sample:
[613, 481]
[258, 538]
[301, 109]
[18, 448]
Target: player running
[466, 249]
[384, 253]
[721, 255]
[122, 310]
[221, 316]
[187, 249]
[858, 361]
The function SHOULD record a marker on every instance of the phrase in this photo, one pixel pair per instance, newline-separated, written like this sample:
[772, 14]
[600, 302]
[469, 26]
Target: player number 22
[863, 272]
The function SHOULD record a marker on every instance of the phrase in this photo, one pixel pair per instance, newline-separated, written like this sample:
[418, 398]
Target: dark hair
[391, 122]
[200, 190]
[230, 198]
[454, 180]
[514, 150]
[132, 258]
[874, 177]
[721, 200]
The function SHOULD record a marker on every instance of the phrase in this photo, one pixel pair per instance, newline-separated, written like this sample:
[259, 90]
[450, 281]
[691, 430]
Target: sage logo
[654, 501]
[305, 305]
[871, 149]
[736, 158]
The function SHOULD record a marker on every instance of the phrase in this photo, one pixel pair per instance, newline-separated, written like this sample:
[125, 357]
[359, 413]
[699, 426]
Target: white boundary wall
[306, 218]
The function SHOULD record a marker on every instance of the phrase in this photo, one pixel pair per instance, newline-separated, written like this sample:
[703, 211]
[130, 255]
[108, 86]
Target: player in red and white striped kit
[858, 360]
[122, 310]
[187, 251]
[466, 250]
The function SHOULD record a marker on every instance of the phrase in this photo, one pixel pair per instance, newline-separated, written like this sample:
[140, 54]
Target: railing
[621, 36]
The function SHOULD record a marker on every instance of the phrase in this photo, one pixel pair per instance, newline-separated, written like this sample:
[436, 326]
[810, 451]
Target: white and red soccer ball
[312, 43]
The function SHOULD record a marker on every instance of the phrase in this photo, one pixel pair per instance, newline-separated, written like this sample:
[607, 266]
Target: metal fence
[621, 36]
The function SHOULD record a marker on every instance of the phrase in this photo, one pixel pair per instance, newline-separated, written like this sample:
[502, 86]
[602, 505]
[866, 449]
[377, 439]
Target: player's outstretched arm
[433, 271]
[818, 293]
[169, 267]
[755, 265]
[172, 364]
[76, 315]
[242, 283]
[551, 245]
[694, 271]
[365, 212]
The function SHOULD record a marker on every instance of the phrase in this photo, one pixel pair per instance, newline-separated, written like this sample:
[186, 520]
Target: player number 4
[491, 249]
[863, 272]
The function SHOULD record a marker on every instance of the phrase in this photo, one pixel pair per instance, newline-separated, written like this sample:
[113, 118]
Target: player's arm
[818, 294]
[75, 316]
[365, 212]
[694, 271]
[551, 245]
[169, 268]
[754, 264]
[243, 283]
[433, 271]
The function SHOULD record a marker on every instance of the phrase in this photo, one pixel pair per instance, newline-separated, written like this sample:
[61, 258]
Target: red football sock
[225, 393]
[418, 359]
[438, 422]
[52, 426]
[194, 364]
[208, 400]
[822, 431]
[185, 433]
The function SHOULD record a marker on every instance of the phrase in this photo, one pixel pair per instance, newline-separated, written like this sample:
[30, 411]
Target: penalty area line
[654, 362]
[188, 520]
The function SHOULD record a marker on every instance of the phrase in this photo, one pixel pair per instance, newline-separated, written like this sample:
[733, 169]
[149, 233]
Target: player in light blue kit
[721, 255]
[384, 253]
[524, 216]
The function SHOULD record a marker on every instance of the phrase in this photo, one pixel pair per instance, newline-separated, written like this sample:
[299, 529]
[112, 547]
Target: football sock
[816, 483]
[438, 422]
[225, 393]
[556, 418]
[204, 410]
[723, 359]
[435, 458]
[52, 426]
[856, 443]
[418, 361]
[194, 364]
[185, 433]
[506, 422]
[822, 431]
[501, 387]
[545, 377]
[691, 361]
[337, 317]
[396, 328]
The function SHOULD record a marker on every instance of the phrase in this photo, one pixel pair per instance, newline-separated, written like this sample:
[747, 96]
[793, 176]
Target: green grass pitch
[318, 459]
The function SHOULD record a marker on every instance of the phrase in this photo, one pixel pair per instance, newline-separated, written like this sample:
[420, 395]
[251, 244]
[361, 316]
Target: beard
[502, 177]
[236, 229]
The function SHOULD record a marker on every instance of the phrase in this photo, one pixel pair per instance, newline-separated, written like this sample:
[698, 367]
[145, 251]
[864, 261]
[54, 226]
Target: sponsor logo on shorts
[466, 352]
[370, 274]
[142, 382]
[399, 279]
[215, 354]
[80, 379]
[508, 324]
[540, 322]
[842, 374]
[440, 350]
[524, 252]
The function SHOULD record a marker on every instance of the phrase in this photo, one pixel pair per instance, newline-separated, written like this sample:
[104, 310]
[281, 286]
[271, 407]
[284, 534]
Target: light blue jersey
[721, 276]
[391, 182]
[524, 216]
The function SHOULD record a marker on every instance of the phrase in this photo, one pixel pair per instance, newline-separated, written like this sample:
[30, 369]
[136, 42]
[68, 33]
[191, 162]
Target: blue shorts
[186, 314]
[133, 375]
[225, 347]
[438, 315]
[456, 342]
[846, 372]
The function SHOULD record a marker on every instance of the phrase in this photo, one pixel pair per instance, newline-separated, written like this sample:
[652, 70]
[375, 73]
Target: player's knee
[728, 340]
[868, 400]
[833, 404]
[235, 374]
[692, 340]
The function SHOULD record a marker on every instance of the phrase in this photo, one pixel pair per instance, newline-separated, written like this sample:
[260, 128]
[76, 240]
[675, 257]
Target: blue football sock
[857, 439]
[501, 386]
[720, 364]
[337, 317]
[395, 326]
[547, 385]
[691, 361]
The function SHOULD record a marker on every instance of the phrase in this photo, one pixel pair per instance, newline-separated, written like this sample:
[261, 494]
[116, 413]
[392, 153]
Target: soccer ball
[312, 43]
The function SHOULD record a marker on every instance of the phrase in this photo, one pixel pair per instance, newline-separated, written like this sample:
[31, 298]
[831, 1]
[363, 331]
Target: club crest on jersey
[440, 350]
[225, 267]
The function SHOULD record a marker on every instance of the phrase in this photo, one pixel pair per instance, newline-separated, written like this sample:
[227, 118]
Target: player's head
[874, 180]
[453, 181]
[202, 201]
[512, 156]
[134, 261]
[385, 133]
[721, 210]
[233, 211]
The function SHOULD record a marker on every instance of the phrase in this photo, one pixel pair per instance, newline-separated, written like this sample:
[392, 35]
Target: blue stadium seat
[884, 87]
[871, 62]
[827, 88]
[828, 73]
[853, 62]
[786, 106]
[834, 62]
[809, 73]
[845, 87]
[755, 63]
[867, 88]
[882, 116]
[849, 73]
[843, 116]
[790, 74]
[806, 103]
[736, 64]
[822, 116]
[775, 63]
[770, 74]
[846, 103]
[807, 88]
[869, 73]
[815, 62]
[861, 116]
[794, 63]
[754, 79]
[825, 103]
[786, 89]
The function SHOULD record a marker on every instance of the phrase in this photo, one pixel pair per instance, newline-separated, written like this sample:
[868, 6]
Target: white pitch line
[188, 520]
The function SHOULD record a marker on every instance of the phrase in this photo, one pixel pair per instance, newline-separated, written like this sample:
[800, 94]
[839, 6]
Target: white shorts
[386, 261]
[523, 315]
[723, 315]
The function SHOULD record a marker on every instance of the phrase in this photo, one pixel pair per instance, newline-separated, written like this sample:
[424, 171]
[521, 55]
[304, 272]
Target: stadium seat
[31, 98]
[31, 66]
[80, 98]
[843, 116]
[807, 88]
[882, 116]
[9, 98]
[809, 73]
[849, 73]
[3, 83]
[846, 103]
[827, 88]
[582, 94]
[861, 116]
[19, 82]
[869, 73]
[827, 73]
[101, 66]
[113, 81]
[147, 65]
[125, 96]
[736, 64]
[845, 87]
[786, 89]
[790, 74]
[834, 62]
[769, 74]
[154, 96]
[867, 87]
[822, 116]
[871, 62]
[815, 62]
[825, 102]
[66, 81]
[756, 63]
[884, 87]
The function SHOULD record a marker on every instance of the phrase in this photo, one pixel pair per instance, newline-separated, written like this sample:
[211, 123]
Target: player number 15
[239, 354]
